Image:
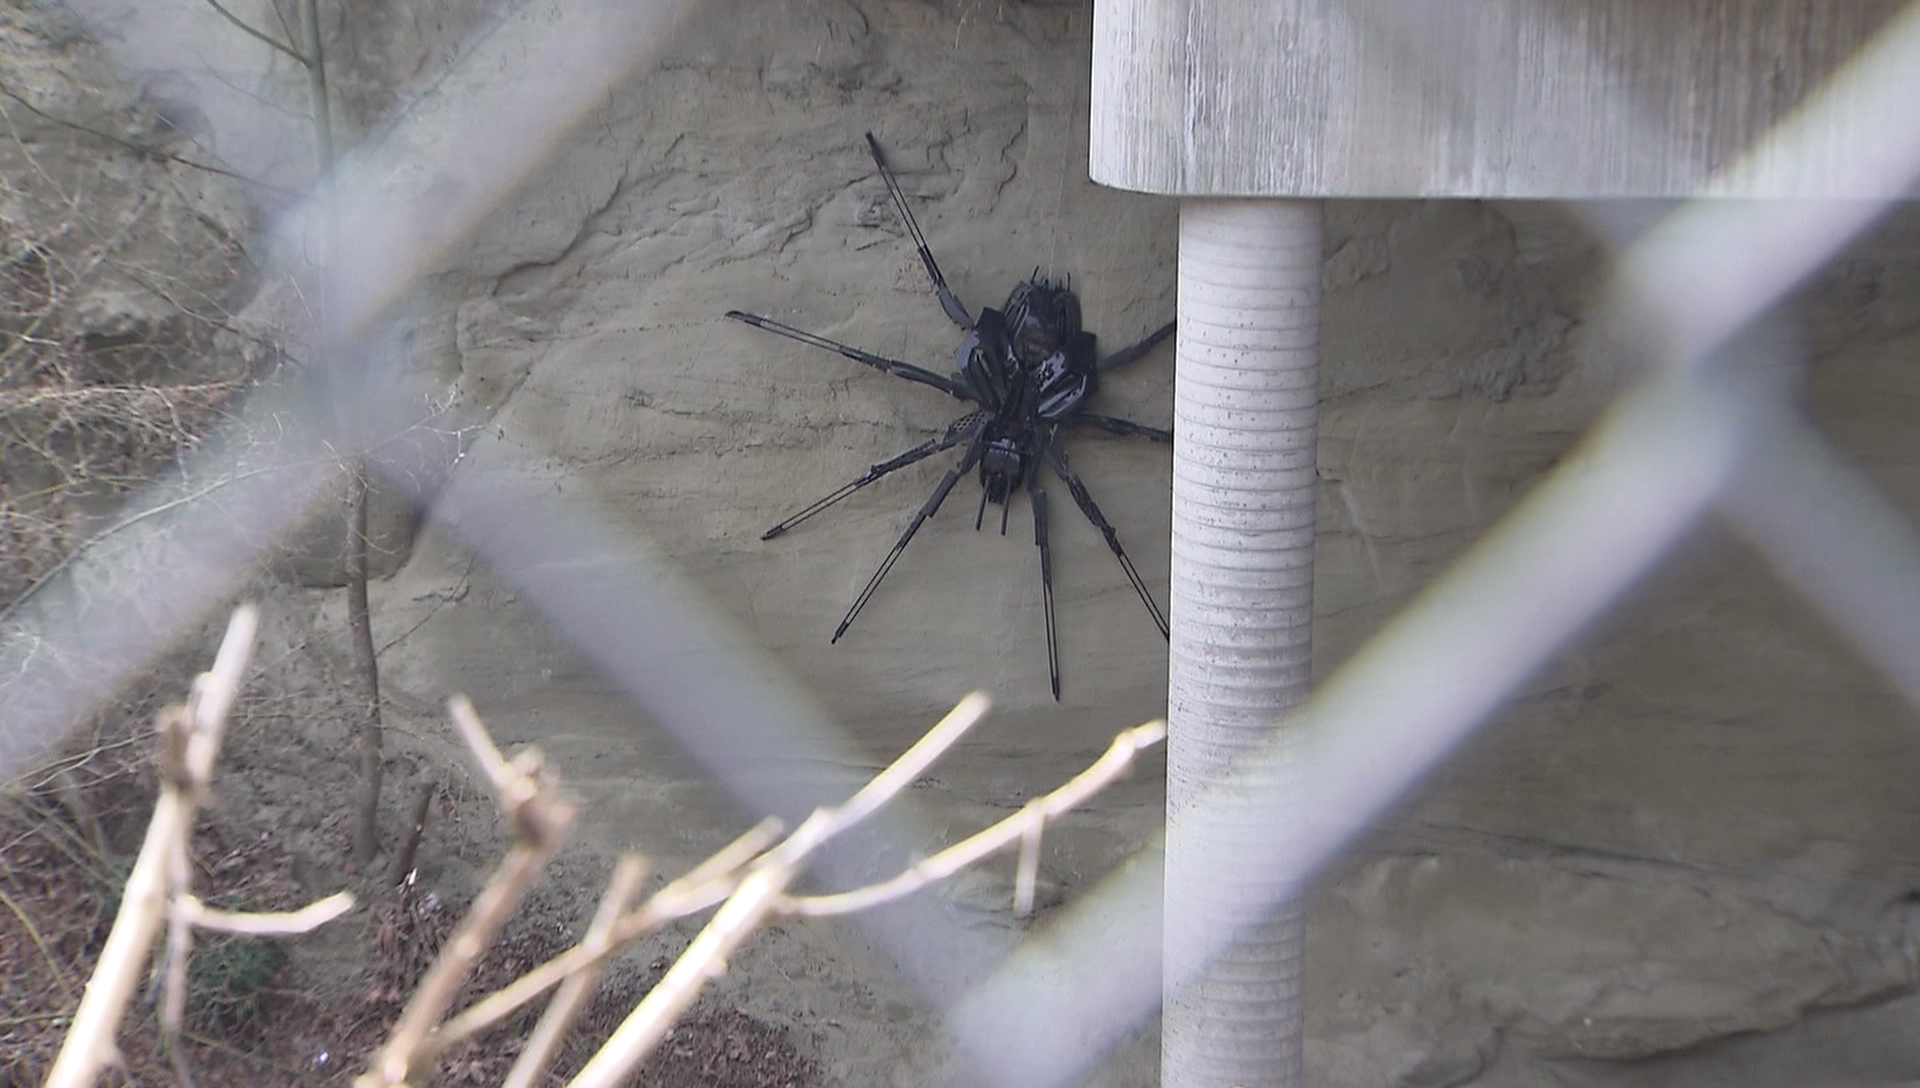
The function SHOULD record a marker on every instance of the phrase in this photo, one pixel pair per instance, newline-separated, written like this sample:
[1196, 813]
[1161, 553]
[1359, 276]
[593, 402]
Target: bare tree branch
[147, 149]
[709, 883]
[279, 923]
[529, 798]
[191, 735]
[750, 874]
[260, 35]
[552, 1029]
[750, 904]
[1023, 826]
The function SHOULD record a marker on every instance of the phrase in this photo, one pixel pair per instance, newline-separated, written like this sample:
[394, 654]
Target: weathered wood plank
[1495, 98]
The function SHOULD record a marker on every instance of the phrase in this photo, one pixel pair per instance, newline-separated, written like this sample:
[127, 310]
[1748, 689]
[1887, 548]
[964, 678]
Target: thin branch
[107, 397]
[473, 731]
[33, 933]
[705, 959]
[530, 800]
[160, 886]
[366, 666]
[318, 99]
[173, 999]
[554, 1024]
[751, 904]
[89, 1045]
[101, 251]
[277, 923]
[177, 1057]
[402, 862]
[1027, 875]
[954, 858]
[82, 550]
[127, 523]
[214, 692]
[708, 883]
[143, 149]
[701, 884]
[913, 762]
[255, 32]
[413, 1045]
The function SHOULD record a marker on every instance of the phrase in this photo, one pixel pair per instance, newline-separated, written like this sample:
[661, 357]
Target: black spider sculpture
[1028, 369]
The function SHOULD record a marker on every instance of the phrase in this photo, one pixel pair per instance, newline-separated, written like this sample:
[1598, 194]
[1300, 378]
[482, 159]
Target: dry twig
[749, 878]
[574, 994]
[708, 883]
[402, 863]
[266, 923]
[531, 802]
[755, 899]
[752, 875]
[1024, 826]
[158, 890]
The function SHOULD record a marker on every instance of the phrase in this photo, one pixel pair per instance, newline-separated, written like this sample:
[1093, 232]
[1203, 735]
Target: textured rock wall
[1696, 825]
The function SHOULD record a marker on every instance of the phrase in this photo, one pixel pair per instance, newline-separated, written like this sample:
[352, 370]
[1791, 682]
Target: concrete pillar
[1246, 399]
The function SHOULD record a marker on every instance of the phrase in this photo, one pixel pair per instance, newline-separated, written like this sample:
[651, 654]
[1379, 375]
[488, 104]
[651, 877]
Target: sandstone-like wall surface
[1697, 826]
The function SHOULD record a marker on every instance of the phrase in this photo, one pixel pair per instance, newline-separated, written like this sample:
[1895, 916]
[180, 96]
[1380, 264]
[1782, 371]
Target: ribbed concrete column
[1246, 396]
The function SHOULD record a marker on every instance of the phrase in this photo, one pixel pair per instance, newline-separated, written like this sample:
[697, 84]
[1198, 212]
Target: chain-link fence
[1710, 430]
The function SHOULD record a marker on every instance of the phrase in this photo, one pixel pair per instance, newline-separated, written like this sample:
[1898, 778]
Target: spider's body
[1029, 365]
[1028, 369]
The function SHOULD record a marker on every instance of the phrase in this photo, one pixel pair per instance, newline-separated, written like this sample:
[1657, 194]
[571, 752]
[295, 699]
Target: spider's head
[1041, 317]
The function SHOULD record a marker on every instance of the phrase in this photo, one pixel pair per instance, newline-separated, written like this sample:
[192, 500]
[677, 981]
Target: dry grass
[111, 365]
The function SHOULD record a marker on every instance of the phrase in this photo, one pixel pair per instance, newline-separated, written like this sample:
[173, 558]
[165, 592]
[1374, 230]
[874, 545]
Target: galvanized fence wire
[1709, 430]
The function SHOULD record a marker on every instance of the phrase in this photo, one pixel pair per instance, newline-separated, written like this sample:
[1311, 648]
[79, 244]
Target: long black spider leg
[1114, 424]
[1134, 351]
[948, 300]
[1058, 459]
[956, 433]
[932, 505]
[1038, 500]
[879, 362]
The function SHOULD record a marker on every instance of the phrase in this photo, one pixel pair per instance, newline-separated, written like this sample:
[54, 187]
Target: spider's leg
[948, 300]
[1058, 460]
[1134, 351]
[1038, 499]
[933, 504]
[1113, 424]
[956, 433]
[878, 362]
